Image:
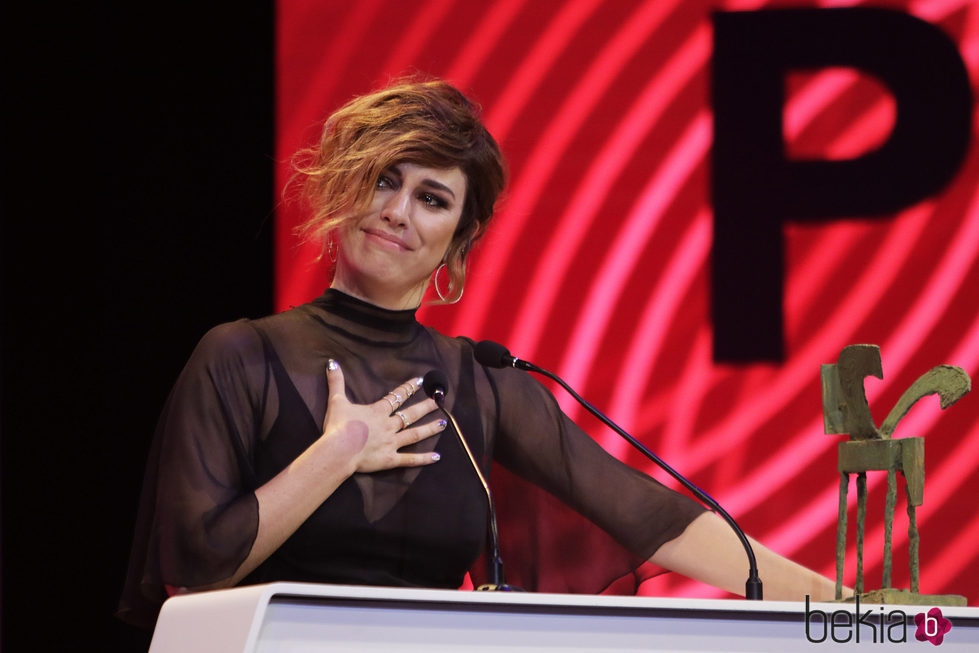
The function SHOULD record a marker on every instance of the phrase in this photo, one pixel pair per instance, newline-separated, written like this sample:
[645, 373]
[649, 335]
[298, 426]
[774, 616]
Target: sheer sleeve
[539, 443]
[198, 514]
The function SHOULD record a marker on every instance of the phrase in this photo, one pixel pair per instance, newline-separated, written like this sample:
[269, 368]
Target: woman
[297, 446]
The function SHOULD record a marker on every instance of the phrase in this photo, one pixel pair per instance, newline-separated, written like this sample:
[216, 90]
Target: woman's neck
[383, 297]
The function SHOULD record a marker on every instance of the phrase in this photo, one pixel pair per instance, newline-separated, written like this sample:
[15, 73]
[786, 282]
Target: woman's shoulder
[462, 344]
[247, 334]
[238, 341]
[517, 381]
[240, 333]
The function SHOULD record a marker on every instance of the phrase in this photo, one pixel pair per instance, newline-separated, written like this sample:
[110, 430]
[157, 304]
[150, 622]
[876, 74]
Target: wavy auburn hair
[424, 122]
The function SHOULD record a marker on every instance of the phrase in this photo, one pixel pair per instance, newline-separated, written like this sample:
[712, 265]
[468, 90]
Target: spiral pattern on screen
[597, 266]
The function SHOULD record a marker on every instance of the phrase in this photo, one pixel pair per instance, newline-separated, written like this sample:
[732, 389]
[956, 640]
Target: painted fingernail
[442, 423]
[435, 457]
[419, 381]
[332, 365]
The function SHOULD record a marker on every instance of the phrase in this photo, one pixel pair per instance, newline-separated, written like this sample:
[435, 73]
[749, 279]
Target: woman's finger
[420, 432]
[401, 421]
[404, 418]
[334, 381]
[417, 459]
[399, 395]
[414, 413]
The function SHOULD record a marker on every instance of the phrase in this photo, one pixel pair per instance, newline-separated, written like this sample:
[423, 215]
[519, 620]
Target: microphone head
[435, 382]
[493, 354]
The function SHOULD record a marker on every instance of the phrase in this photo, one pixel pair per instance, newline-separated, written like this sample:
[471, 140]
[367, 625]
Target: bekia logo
[844, 626]
[932, 626]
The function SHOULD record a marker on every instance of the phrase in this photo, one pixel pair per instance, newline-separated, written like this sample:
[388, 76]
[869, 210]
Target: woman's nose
[395, 210]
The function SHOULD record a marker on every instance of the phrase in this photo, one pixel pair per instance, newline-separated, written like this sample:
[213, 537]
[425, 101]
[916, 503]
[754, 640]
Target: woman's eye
[432, 200]
[384, 182]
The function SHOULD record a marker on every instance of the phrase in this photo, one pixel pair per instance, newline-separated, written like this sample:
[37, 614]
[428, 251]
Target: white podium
[302, 618]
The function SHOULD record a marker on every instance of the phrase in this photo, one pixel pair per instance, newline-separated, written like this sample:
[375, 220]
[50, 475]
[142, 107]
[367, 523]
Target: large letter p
[756, 188]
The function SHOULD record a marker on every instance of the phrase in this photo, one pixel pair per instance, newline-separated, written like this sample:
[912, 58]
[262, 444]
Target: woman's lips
[386, 238]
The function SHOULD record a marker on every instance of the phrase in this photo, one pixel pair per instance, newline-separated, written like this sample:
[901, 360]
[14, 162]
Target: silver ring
[404, 420]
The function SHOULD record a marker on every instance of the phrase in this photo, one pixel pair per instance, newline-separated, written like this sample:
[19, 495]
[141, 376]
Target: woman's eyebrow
[395, 171]
[438, 186]
[431, 183]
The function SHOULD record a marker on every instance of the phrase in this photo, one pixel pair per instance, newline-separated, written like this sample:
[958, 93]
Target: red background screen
[598, 263]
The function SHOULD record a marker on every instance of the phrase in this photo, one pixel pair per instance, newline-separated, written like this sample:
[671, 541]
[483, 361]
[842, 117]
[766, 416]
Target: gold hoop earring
[449, 289]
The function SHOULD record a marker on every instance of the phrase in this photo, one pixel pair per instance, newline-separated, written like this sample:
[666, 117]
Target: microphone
[435, 383]
[493, 354]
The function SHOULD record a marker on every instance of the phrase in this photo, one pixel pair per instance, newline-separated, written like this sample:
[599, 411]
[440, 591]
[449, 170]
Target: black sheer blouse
[252, 398]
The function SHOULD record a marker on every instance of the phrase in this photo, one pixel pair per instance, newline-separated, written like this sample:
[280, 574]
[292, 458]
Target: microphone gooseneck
[493, 354]
[435, 385]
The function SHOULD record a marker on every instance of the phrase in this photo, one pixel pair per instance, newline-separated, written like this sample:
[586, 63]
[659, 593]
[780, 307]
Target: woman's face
[387, 255]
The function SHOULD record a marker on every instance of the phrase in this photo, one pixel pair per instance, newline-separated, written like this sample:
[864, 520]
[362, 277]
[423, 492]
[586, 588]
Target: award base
[893, 596]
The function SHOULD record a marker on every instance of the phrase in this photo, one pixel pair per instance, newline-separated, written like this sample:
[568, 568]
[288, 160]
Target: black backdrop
[136, 208]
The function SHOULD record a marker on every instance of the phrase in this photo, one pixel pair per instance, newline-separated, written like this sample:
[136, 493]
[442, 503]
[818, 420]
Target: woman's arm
[709, 551]
[539, 443]
[356, 438]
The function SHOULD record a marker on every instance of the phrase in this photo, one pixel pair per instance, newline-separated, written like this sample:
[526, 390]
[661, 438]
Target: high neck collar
[365, 321]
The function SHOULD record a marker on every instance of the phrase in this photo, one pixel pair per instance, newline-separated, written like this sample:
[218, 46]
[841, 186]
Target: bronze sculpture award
[869, 449]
